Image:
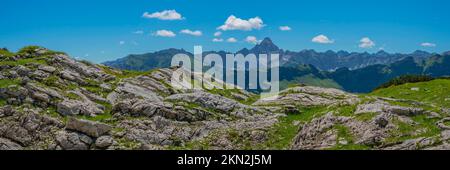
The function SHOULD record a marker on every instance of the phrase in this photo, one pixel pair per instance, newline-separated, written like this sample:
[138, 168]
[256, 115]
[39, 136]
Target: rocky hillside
[51, 101]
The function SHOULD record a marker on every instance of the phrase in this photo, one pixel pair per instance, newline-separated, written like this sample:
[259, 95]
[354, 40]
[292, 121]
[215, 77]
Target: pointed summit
[266, 46]
[266, 40]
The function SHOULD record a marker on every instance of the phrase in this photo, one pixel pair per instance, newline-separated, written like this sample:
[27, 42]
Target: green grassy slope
[436, 92]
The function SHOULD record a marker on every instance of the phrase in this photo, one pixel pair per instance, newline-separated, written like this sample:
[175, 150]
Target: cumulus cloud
[366, 43]
[164, 33]
[231, 40]
[217, 34]
[322, 39]
[428, 44]
[234, 23]
[252, 40]
[217, 40]
[285, 28]
[190, 32]
[164, 15]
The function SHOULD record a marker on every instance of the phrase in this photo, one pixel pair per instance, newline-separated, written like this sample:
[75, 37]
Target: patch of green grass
[52, 81]
[365, 117]
[350, 147]
[347, 110]
[51, 111]
[410, 103]
[2, 102]
[343, 133]
[95, 89]
[282, 134]
[124, 73]
[5, 54]
[32, 50]
[128, 144]
[432, 92]
[24, 61]
[73, 96]
[407, 131]
[309, 80]
[427, 123]
[7, 82]
[447, 123]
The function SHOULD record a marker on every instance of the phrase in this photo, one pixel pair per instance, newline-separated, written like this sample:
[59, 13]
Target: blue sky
[104, 30]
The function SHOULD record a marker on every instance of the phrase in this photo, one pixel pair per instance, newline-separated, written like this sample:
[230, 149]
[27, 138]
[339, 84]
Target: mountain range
[350, 71]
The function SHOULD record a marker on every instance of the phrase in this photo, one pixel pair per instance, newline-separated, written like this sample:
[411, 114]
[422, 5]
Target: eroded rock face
[91, 128]
[308, 96]
[73, 141]
[222, 104]
[29, 129]
[104, 141]
[6, 144]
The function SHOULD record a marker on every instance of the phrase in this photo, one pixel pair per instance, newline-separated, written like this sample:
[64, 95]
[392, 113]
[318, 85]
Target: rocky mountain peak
[420, 54]
[266, 46]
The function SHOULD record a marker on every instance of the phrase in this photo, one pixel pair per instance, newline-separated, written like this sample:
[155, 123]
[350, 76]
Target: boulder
[403, 111]
[6, 144]
[73, 141]
[381, 120]
[139, 91]
[104, 141]
[91, 128]
[41, 97]
[7, 111]
[445, 135]
[48, 69]
[40, 75]
[22, 70]
[68, 108]
[75, 107]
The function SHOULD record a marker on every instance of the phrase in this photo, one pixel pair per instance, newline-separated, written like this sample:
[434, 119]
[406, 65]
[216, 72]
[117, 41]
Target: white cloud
[164, 33]
[231, 40]
[285, 28]
[428, 44]
[164, 15]
[322, 39]
[189, 32]
[138, 32]
[252, 40]
[217, 34]
[366, 43]
[121, 42]
[234, 23]
[217, 40]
